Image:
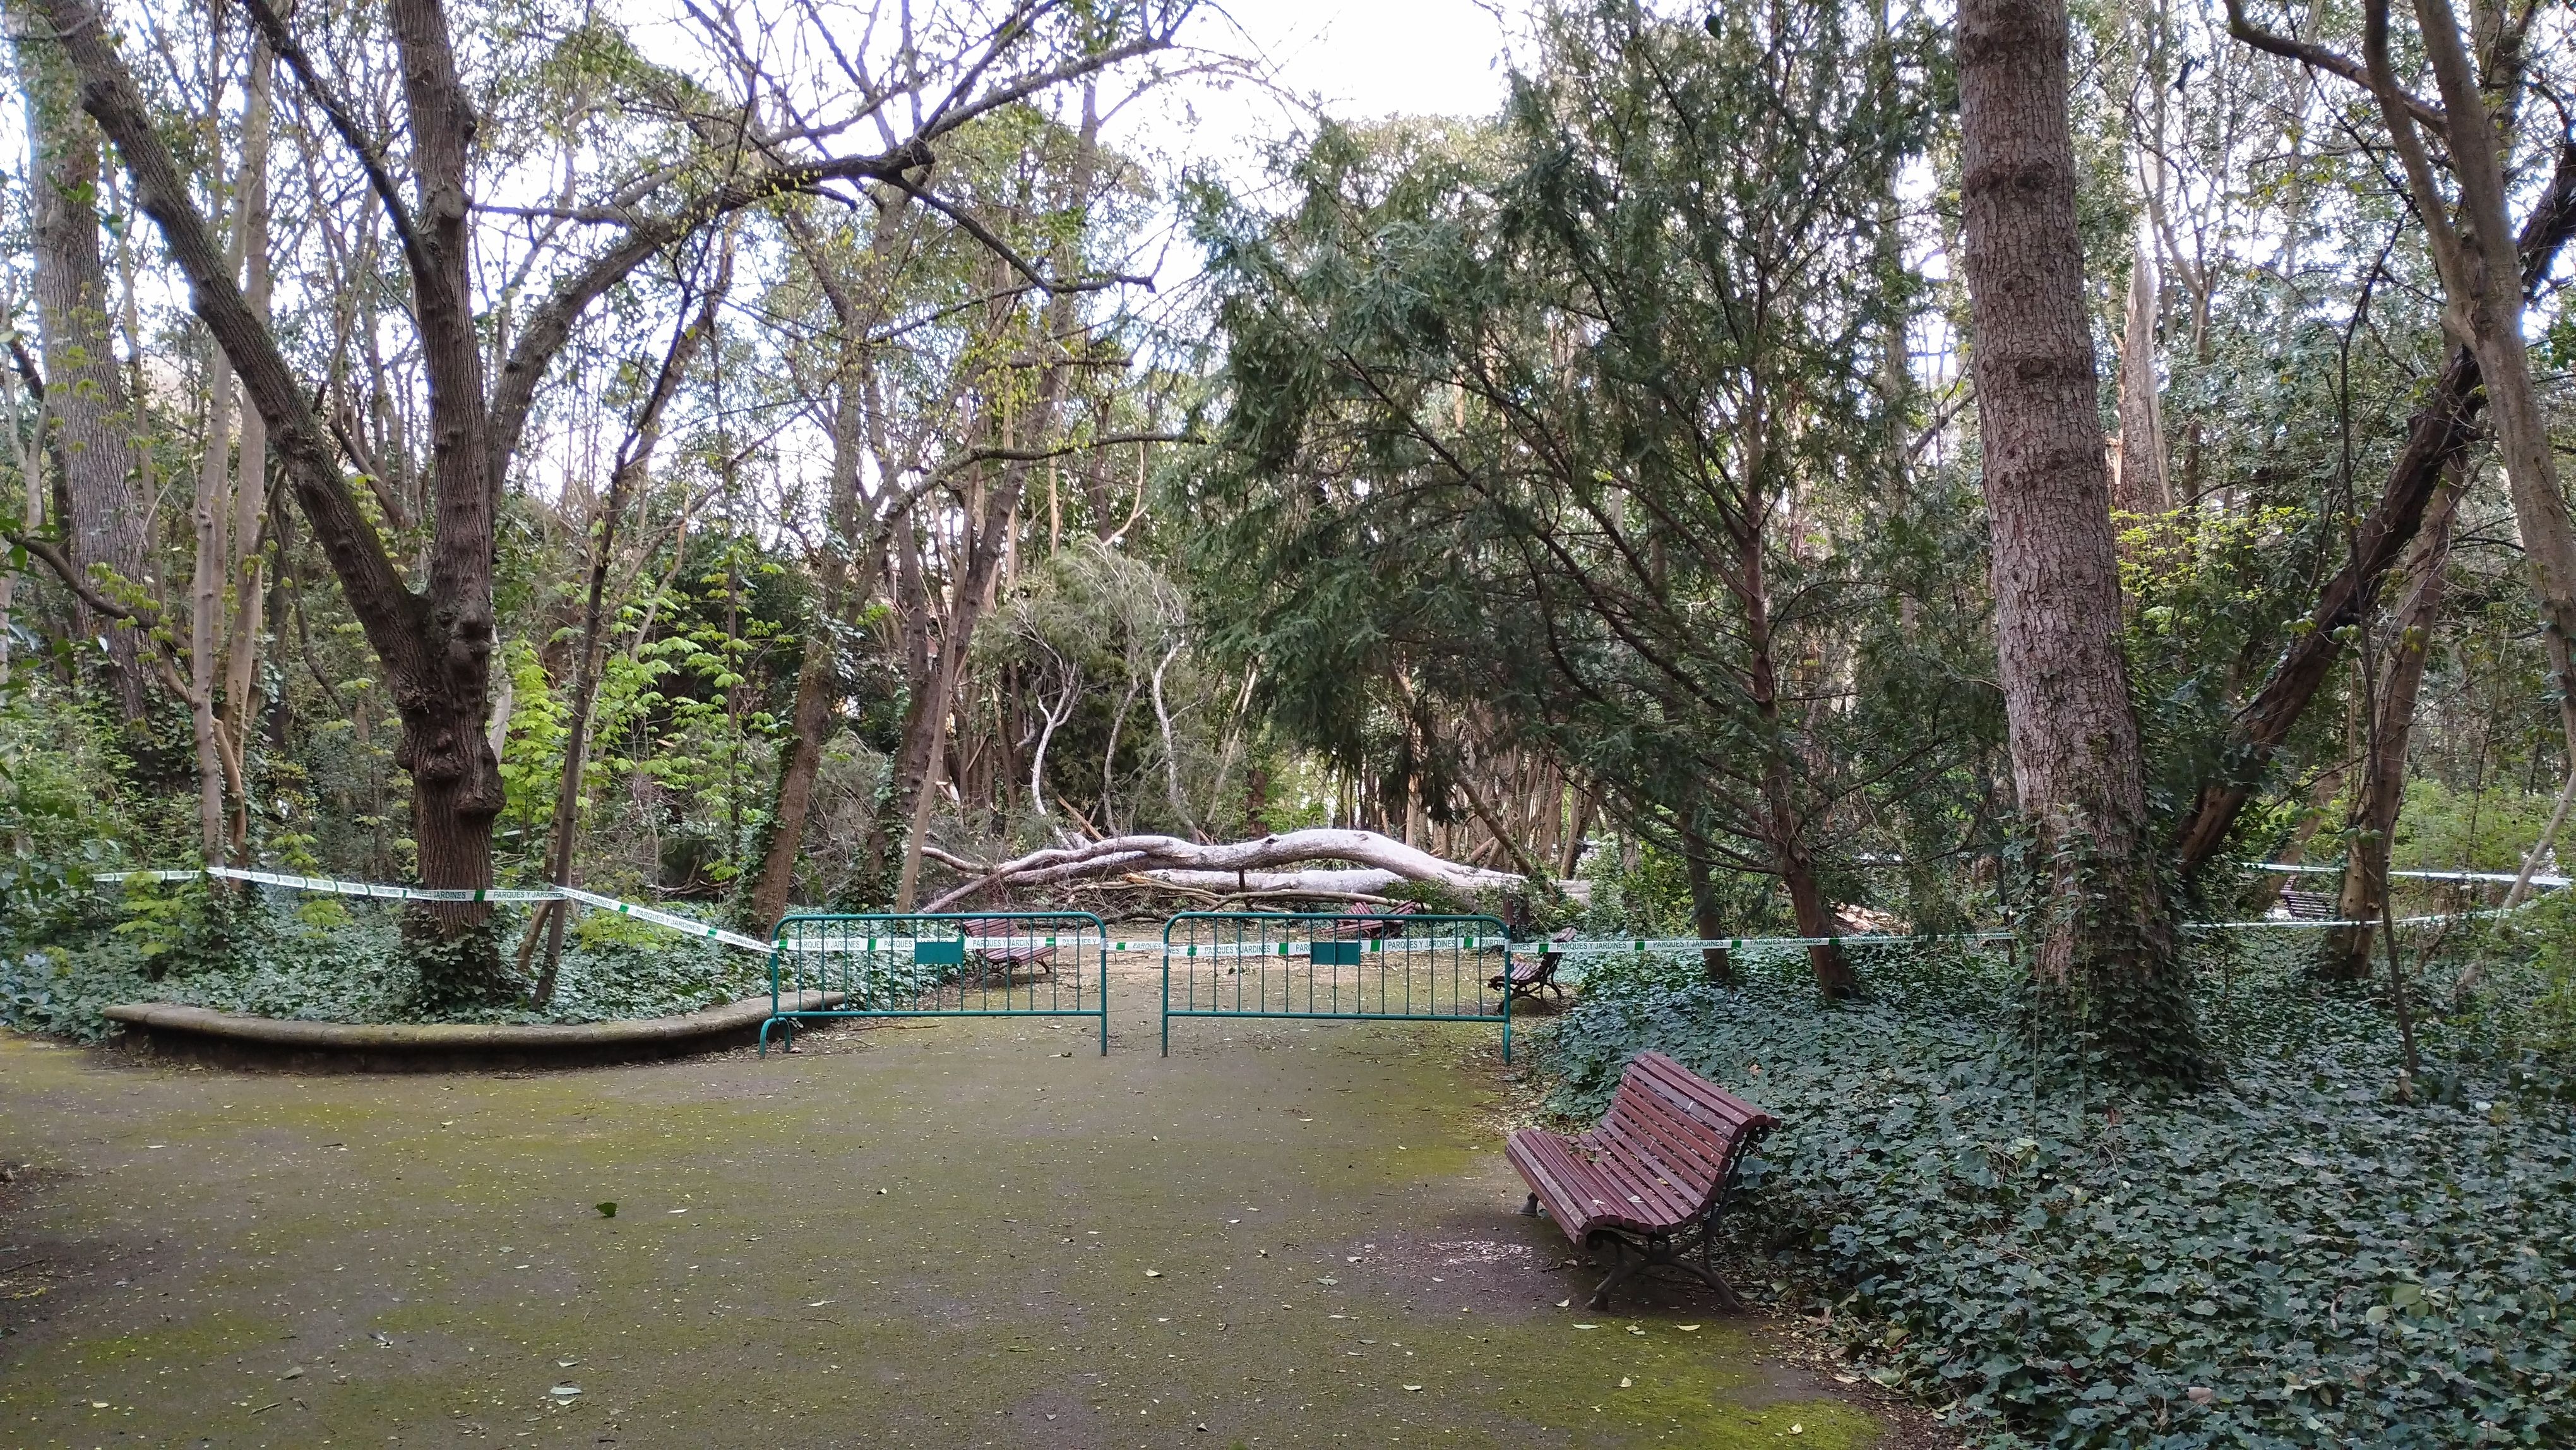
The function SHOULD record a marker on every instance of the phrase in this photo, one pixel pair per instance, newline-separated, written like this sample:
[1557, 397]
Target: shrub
[283, 955]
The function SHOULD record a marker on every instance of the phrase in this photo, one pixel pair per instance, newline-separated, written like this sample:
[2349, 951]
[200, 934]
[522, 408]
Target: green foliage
[276, 957]
[1584, 425]
[2442, 828]
[2327, 1266]
[1653, 897]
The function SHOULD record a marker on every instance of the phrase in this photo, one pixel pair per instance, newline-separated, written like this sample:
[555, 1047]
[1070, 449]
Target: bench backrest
[1693, 1129]
[1367, 920]
[2310, 905]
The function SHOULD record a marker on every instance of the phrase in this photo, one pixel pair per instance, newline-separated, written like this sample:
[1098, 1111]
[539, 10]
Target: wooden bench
[1366, 922]
[1023, 951]
[1527, 976]
[1648, 1183]
[2310, 905]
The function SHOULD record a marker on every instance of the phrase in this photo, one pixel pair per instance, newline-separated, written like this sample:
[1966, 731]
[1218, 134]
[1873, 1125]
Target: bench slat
[1675, 1152]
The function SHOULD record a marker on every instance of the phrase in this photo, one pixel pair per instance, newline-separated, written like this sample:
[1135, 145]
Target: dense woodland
[1831, 469]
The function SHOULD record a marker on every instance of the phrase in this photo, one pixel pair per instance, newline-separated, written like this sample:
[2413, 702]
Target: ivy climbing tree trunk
[2106, 978]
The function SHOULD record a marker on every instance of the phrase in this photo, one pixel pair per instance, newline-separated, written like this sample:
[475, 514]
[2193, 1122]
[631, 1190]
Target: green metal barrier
[954, 964]
[1352, 965]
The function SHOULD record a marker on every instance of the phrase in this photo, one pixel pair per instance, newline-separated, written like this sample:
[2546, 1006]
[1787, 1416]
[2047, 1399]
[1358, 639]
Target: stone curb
[236, 1039]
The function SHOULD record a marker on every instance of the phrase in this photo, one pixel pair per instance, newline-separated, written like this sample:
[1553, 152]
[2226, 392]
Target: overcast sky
[1358, 59]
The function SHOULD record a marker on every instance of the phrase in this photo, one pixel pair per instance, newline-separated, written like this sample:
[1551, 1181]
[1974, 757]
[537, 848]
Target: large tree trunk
[1708, 915]
[456, 781]
[2482, 273]
[2102, 955]
[2372, 821]
[435, 645]
[92, 418]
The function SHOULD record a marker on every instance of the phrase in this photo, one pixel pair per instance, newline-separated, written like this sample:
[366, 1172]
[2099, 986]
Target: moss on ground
[938, 1235]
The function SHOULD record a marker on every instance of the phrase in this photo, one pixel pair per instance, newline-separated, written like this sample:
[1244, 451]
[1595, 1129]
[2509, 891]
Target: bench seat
[1648, 1183]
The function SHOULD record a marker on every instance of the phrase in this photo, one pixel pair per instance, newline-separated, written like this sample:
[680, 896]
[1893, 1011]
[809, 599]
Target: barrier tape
[487, 894]
[680, 924]
[2505, 878]
[1629, 946]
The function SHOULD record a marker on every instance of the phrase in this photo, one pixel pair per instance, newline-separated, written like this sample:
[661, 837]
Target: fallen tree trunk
[1378, 863]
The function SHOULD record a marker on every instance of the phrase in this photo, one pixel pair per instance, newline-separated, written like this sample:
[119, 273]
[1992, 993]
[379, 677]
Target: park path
[937, 1234]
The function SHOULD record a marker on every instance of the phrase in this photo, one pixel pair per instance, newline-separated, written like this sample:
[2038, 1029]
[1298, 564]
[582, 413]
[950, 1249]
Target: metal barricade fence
[1347, 965]
[950, 964]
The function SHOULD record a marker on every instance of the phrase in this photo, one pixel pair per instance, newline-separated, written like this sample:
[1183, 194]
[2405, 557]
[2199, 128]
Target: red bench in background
[1020, 949]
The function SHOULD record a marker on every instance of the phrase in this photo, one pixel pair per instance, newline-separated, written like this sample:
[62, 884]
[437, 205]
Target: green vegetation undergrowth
[2294, 1257]
[322, 959]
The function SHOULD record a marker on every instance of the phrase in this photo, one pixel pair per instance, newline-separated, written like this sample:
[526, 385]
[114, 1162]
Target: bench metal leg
[1726, 1294]
[1629, 1262]
[1634, 1257]
[1530, 1209]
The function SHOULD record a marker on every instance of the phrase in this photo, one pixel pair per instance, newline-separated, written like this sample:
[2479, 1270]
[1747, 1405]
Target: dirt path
[952, 1234]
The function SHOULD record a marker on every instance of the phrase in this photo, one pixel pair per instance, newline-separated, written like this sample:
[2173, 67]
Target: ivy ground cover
[2296, 1257]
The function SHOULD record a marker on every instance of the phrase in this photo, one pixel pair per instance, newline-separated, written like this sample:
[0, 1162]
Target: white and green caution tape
[379, 891]
[2502, 878]
[680, 924]
[1373, 946]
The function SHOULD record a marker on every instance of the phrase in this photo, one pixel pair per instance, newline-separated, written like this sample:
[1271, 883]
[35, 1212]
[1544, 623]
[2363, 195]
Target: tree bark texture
[1708, 916]
[92, 417]
[2140, 487]
[2103, 949]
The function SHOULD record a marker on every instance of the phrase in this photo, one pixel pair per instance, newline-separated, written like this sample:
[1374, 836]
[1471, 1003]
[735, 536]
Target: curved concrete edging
[238, 1040]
